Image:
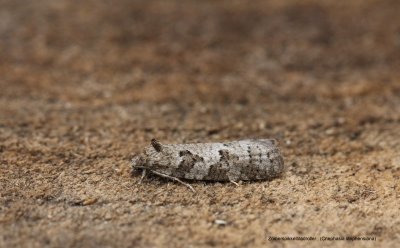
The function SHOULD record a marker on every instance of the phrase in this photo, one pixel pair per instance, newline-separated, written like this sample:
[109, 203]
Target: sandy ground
[84, 85]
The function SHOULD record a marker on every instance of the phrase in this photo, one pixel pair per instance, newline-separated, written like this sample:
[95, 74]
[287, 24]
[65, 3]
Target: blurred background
[86, 84]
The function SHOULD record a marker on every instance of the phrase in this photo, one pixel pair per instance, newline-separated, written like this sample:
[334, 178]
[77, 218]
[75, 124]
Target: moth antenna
[157, 145]
[175, 179]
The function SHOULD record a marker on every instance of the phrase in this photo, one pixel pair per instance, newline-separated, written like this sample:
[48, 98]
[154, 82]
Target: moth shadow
[150, 177]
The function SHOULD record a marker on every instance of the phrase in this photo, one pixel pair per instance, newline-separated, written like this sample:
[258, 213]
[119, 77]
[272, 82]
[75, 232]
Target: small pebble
[220, 222]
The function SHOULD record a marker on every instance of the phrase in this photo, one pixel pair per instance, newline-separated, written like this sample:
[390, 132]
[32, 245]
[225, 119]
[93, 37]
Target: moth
[250, 159]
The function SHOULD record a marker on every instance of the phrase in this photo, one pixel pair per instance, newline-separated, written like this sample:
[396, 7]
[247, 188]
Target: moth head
[155, 157]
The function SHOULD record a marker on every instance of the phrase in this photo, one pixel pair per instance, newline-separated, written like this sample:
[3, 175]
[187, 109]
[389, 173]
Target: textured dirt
[86, 84]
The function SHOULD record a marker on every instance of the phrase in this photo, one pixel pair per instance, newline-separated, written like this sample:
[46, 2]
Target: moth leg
[143, 175]
[233, 176]
[234, 183]
[175, 179]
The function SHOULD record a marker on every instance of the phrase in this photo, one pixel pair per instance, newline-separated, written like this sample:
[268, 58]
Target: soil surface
[85, 85]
